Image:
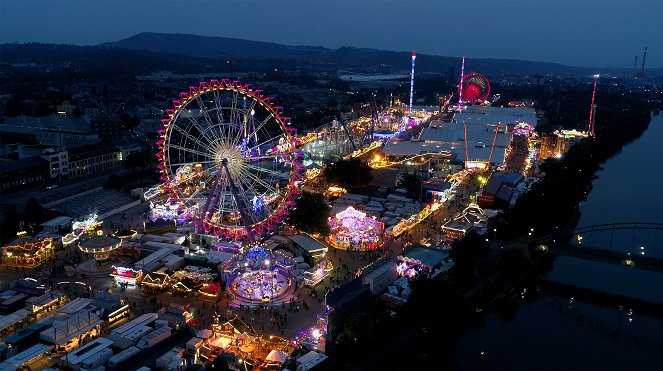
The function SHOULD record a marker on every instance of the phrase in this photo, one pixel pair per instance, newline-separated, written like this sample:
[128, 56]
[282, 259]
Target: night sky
[580, 33]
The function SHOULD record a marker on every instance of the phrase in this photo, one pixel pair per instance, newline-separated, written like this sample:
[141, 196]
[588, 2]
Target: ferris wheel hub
[231, 157]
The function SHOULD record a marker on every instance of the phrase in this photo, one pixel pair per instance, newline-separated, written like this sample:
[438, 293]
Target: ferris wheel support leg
[212, 200]
[240, 204]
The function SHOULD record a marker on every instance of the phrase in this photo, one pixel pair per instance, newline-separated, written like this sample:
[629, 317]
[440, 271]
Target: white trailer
[123, 356]
[154, 337]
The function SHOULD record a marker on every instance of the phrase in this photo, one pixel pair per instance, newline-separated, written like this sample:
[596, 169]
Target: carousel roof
[100, 242]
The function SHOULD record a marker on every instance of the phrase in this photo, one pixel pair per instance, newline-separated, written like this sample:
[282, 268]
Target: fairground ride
[228, 154]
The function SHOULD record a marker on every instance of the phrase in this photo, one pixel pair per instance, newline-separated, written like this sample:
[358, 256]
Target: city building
[107, 127]
[57, 156]
[19, 174]
[93, 159]
[50, 130]
[127, 146]
[147, 129]
[58, 161]
[66, 108]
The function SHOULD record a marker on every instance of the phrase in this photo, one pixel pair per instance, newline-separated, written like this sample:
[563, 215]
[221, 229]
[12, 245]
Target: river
[554, 332]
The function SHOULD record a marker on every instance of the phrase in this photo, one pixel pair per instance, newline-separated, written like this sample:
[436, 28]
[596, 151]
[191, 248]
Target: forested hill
[223, 47]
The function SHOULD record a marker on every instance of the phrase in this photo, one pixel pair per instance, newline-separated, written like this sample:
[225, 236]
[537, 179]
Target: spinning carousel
[260, 277]
[352, 229]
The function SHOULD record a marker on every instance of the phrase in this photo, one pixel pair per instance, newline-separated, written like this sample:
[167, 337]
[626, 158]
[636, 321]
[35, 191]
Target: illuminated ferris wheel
[474, 88]
[228, 155]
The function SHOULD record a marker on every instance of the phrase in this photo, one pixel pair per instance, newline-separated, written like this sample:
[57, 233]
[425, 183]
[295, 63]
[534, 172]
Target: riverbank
[553, 203]
[552, 327]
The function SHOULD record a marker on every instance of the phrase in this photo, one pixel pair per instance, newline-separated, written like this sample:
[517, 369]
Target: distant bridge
[609, 289]
[561, 243]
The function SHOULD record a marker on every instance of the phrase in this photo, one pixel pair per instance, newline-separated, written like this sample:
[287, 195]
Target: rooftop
[426, 257]
[494, 115]
[307, 242]
[27, 124]
[56, 221]
[101, 200]
[341, 295]
[14, 165]
[384, 177]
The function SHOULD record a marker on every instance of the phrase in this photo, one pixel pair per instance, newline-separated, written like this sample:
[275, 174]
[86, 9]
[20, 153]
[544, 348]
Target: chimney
[644, 58]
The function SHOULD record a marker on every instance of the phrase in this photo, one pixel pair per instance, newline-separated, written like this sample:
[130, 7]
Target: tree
[34, 213]
[468, 250]
[137, 159]
[114, 182]
[412, 185]
[10, 223]
[332, 103]
[348, 173]
[311, 213]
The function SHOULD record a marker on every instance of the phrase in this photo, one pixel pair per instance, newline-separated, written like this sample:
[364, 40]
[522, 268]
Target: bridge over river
[600, 262]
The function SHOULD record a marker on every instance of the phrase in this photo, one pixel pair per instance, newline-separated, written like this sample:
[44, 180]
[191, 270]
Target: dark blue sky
[580, 33]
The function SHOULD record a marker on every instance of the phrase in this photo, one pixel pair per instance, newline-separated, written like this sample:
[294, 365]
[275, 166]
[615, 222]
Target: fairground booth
[28, 252]
[126, 275]
[352, 229]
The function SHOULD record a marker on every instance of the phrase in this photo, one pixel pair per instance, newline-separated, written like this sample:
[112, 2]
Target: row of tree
[553, 202]
[29, 220]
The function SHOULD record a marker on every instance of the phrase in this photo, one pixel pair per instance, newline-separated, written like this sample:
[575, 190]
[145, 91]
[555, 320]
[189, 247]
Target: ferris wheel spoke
[192, 163]
[201, 130]
[248, 123]
[219, 115]
[257, 218]
[222, 202]
[189, 150]
[257, 129]
[233, 107]
[248, 205]
[270, 140]
[208, 119]
[257, 179]
[269, 171]
[186, 134]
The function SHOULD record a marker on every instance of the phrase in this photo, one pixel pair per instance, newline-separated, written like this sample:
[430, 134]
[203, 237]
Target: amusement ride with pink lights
[228, 156]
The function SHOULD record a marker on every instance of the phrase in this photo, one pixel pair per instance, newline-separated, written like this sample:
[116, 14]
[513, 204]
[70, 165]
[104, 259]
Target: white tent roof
[277, 356]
